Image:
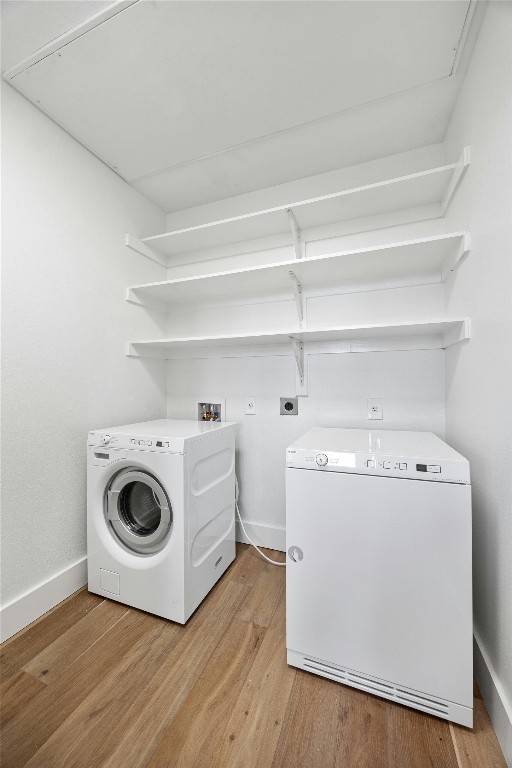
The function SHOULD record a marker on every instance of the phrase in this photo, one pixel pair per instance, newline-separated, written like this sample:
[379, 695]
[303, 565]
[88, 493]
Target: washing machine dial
[105, 439]
[321, 459]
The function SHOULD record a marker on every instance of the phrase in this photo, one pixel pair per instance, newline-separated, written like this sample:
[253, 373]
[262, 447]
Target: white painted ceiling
[28, 25]
[197, 101]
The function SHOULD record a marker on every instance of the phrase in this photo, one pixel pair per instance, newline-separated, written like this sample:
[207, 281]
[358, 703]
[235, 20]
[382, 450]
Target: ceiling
[28, 25]
[197, 101]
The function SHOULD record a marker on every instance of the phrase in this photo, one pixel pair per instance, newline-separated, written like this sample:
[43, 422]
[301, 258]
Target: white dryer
[378, 581]
[160, 513]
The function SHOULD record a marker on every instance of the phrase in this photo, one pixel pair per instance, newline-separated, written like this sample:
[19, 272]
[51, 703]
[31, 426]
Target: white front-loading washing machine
[160, 513]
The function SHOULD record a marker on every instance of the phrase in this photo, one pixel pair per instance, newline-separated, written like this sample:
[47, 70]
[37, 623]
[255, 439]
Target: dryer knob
[105, 439]
[321, 459]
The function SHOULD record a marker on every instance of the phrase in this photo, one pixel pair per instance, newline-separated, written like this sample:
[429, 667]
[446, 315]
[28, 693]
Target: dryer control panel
[414, 468]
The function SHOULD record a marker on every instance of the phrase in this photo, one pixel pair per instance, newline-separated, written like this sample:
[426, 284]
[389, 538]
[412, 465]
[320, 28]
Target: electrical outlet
[375, 408]
[289, 406]
[250, 406]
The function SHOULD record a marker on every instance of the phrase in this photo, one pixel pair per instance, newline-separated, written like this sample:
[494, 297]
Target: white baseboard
[495, 698]
[271, 536]
[28, 607]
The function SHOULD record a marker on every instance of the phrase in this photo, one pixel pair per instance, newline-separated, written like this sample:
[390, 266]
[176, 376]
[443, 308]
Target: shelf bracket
[458, 174]
[298, 351]
[297, 290]
[455, 263]
[139, 247]
[296, 234]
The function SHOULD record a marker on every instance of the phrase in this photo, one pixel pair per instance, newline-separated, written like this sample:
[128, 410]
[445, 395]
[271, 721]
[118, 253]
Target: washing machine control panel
[123, 442]
[147, 442]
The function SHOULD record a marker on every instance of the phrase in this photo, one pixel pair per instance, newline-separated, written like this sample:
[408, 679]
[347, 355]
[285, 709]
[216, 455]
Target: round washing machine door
[139, 511]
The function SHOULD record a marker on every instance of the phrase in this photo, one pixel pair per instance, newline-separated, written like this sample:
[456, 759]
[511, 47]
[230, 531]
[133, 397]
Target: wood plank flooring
[94, 684]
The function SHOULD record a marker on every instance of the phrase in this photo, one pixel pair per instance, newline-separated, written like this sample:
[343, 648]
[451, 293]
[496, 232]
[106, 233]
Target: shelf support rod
[297, 290]
[298, 351]
[296, 234]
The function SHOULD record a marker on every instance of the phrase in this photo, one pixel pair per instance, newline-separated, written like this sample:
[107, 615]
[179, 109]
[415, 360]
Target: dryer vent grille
[379, 687]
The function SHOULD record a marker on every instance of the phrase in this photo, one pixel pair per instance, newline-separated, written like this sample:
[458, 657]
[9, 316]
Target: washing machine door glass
[139, 511]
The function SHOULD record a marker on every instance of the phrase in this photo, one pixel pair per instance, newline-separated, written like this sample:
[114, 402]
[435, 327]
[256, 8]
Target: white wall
[65, 324]
[479, 373]
[411, 384]
[339, 382]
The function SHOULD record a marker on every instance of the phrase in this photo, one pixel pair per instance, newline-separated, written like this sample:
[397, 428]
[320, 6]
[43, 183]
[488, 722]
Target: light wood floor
[94, 683]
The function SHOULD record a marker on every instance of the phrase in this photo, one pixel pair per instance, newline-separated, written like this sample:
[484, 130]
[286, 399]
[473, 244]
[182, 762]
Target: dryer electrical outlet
[289, 406]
